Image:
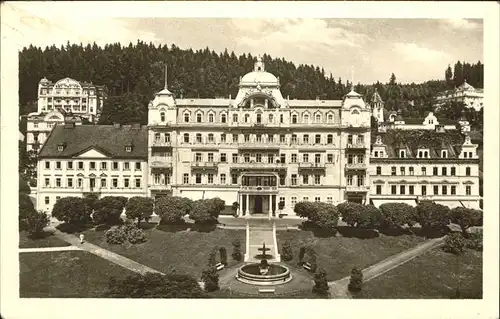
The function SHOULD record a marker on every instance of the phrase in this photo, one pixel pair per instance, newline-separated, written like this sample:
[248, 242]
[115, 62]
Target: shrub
[108, 210]
[35, 223]
[154, 285]
[24, 188]
[236, 254]
[139, 208]
[223, 255]
[454, 243]
[356, 280]
[466, 218]
[206, 211]
[115, 235]
[371, 218]
[351, 213]
[433, 217]
[311, 258]
[326, 216]
[26, 209]
[72, 210]
[395, 215]
[320, 283]
[235, 208]
[210, 278]
[136, 236]
[212, 257]
[172, 209]
[286, 251]
[302, 253]
[475, 241]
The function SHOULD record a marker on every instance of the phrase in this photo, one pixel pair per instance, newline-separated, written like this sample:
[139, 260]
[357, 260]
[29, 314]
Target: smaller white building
[430, 122]
[466, 93]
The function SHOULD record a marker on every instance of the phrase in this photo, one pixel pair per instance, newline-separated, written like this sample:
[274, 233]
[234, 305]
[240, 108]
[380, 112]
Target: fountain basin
[276, 275]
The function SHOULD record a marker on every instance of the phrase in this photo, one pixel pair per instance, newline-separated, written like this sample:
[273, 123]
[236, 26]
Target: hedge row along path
[338, 289]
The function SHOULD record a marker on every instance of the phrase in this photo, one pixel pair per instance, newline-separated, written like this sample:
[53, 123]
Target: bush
[356, 280]
[154, 285]
[236, 250]
[108, 210]
[223, 255]
[351, 213]
[235, 208]
[311, 258]
[320, 283]
[172, 209]
[35, 223]
[396, 215]
[136, 236]
[212, 257]
[466, 218]
[475, 241]
[72, 210]
[206, 211]
[210, 278]
[26, 209]
[433, 217]
[139, 208]
[286, 251]
[454, 243]
[115, 235]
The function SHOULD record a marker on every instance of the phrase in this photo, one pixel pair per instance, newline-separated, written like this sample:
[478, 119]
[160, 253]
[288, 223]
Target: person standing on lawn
[82, 238]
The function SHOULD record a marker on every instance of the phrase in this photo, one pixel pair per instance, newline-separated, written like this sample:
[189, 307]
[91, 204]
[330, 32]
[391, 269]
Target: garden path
[338, 289]
[47, 249]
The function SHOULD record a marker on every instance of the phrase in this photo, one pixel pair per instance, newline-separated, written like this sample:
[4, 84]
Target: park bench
[219, 266]
[267, 290]
[307, 266]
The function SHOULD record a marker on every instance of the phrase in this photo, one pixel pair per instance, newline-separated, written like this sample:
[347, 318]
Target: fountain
[263, 273]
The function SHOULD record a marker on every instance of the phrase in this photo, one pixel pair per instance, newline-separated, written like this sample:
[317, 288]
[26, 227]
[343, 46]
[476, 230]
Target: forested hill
[132, 74]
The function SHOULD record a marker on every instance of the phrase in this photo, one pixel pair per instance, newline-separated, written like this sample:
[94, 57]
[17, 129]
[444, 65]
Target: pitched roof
[106, 138]
[376, 97]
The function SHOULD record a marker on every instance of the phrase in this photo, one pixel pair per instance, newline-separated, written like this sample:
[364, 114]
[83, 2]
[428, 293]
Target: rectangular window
[210, 157]
[294, 179]
[410, 169]
[47, 200]
[361, 180]
[435, 171]
[70, 165]
[393, 189]
[69, 182]
[58, 182]
[282, 180]
[306, 138]
[436, 189]
[467, 171]
[185, 178]
[104, 165]
[329, 158]
[258, 158]
[137, 166]
[294, 158]
[223, 157]
[246, 158]
[444, 189]
[197, 157]
[467, 190]
[126, 182]
[424, 171]
[349, 180]
[411, 189]
[393, 170]
[92, 165]
[282, 138]
[137, 182]
[317, 199]
[305, 158]
[329, 139]
[317, 139]
[115, 182]
[293, 201]
[305, 179]
[223, 179]
[223, 138]
[270, 158]
[453, 190]
[126, 166]
[210, 178]
[402, 189]
[58, 198]
[402, 170]
[443, 171]
[235, 158]
[379, 189]
[317, 158]
[379, 170]
[234, 179]
[47, 165]
[80, 165]
[198, 178]
[317, 179]
[283, 158]
[423, 190]
[58, 165]
[305, 199]
[452, 171]
[329, 200]
[349, 139]
[115, 166]
[282, 200]
[47, 182]
[103, 182]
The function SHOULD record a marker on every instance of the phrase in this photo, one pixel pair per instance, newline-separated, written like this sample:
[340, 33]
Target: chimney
[166, 73]
[116, 125]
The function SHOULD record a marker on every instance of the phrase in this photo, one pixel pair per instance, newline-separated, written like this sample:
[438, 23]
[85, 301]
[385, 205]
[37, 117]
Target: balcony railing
[254, 165]
[311, 165]
[157, 162]
[259, 188]
[162, 143]
[355, 166]
[212, 165]
[258, 145]
[355, 188]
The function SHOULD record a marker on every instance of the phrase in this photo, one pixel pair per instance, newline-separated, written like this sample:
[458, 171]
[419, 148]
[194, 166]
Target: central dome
[259, 75]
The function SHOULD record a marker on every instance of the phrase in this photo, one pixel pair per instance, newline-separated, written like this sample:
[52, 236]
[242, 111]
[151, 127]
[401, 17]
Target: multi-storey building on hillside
[448, 175]
[103, 160]
[259, 149]
[465, 93]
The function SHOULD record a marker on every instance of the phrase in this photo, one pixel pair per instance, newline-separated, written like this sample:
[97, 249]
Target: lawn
[434, 274]
[68, 274]
[48, 240]
[338, 255]
[183, 251]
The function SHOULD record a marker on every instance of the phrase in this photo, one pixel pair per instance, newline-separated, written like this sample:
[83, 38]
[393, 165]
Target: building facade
[430, 122]
[259, 149]
[103, 160]
[448, 175]
[466, 93]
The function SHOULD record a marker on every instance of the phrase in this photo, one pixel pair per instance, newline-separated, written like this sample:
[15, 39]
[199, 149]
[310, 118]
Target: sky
[363, 50]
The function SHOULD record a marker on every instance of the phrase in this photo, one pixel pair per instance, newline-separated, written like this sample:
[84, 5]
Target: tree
[371, 218]
[26, 209]
[139, 208]
[356, 280]
[72, 210]
[172, 209]
[395, 215]
[351, 212]
[326, 216]
[433, 216]
[448, 76]
[466, 218]
[23, 186]
[35, 223]
[210, 278]
[236, 254]
[392, 80]
[108, 210]
[206, 211]
[286, 251]
[320, 283]
[235, 208]
[305, 210]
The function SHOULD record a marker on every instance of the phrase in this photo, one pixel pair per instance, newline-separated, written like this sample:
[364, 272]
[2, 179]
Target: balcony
[357, 189]
[258, 145]
[160, 187]
[160, 162]
[258, 166]
[162, 143]
[357, 145]
[91, 190]
[205, 165]
[307, 165]
[355, 166]
[259, 189]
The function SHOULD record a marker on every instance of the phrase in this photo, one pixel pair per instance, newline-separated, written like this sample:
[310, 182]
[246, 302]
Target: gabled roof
[376, 97]
[106, 138]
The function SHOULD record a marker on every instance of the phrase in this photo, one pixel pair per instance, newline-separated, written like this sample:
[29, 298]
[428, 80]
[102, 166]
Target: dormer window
[402, 153]
[162, 117]
[444, 153]
[61, 147]
[128, 147]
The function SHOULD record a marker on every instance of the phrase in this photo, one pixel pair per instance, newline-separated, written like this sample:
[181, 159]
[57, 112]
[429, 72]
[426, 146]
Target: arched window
[294, 119]
[211, 117]
[330, 118]
[223, 118]
[198, 117]
[186, 117]
[198, 137]
[318, 118]
[235, 117]
[162, 117]
[426, 154]
[186, 137]
[271, 118]
[247, 117]
[355, 112]
[259, 118]
[306, 118]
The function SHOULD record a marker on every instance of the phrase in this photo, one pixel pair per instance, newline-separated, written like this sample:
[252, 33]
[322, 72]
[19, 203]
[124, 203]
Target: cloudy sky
[364, 49]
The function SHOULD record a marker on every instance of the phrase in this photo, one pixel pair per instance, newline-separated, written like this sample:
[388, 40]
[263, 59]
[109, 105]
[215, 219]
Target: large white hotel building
[258, 149]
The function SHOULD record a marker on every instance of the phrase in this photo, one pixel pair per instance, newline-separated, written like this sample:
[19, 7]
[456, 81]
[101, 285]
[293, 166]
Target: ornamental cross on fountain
[264, 250]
